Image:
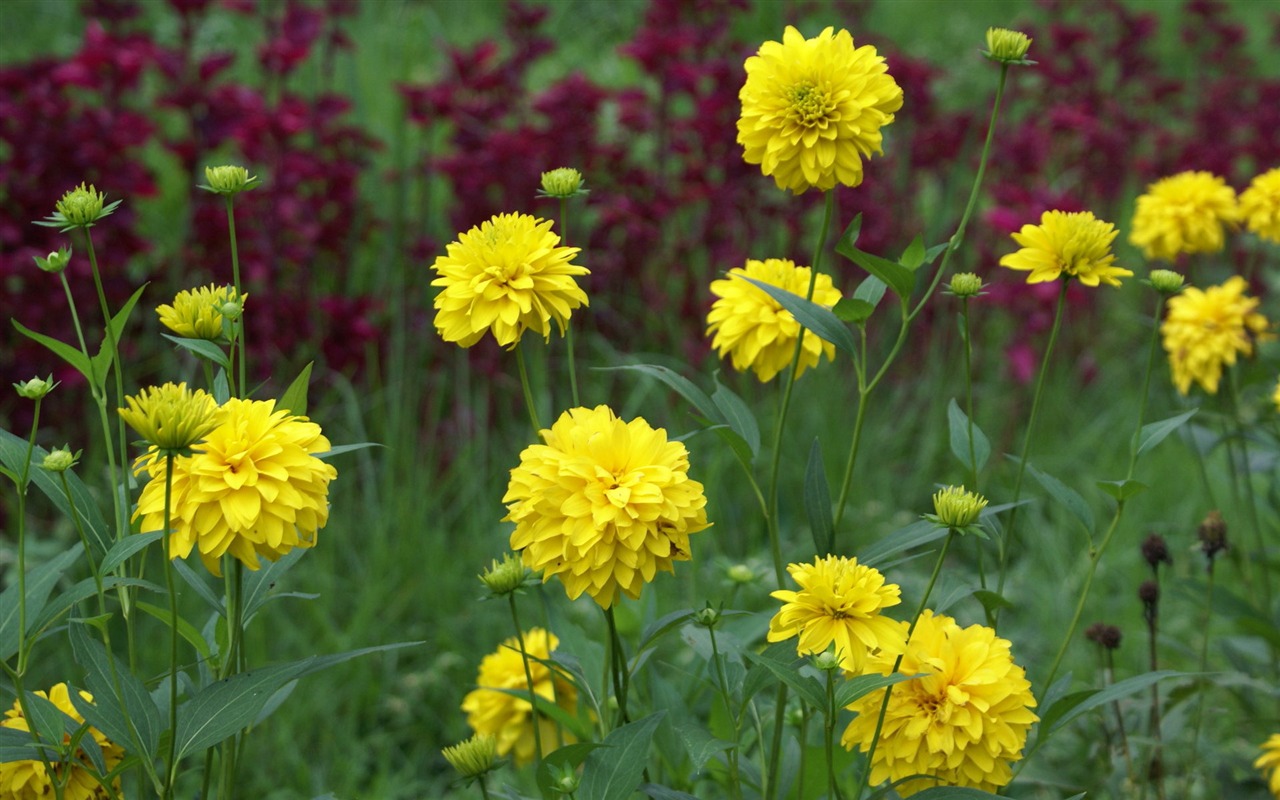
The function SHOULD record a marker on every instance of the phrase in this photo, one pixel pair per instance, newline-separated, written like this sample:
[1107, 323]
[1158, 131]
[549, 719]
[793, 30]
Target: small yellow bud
[1165, 281]
[228, 180]
[506, 576]
[965, 284]
[1007, 47]
[561, 183]
[474, 757]
[60, 459]
[36, 388]
[956, 508]
[171, 417]
[56, 261]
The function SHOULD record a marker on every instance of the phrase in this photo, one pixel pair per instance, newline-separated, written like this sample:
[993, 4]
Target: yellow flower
[812, 109]
[508, 718]
[170, 417]
[963, 723]
[1184, 213]
[474, 757]
[504, 277]
[1205, 330]
[604, 504]
[754, 330]
[1269, 763]
[1073, 242]
[29, 780]
[1260, 205]
[198, 313]
[252, 488]
[839, 601]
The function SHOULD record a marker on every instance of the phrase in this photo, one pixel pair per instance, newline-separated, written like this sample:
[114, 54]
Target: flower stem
[568, 325]
[617, 665]
[829, 735]
[722, 683]
[24, 479]
[171, 759]
[1204, 665]
[528, 390]
[117, 369]
[235, 278]
[1010, 536]
[528, 677]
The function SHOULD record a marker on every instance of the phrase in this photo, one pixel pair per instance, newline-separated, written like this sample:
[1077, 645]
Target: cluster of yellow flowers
[1191, 212]
[30, 779]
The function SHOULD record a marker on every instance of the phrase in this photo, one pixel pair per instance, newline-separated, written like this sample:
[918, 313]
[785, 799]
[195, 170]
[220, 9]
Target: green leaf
[105, 357]
[816, 318]
[294, 399]
[258, 583]
[1122, 490]
[897, 277]
[913, 535]
[185, 629]
[871, 290]
[12, 452]
[854, 229]
[852, 309]
[959, 424]
[935, 251]
[682, 385]
[738, 415]
[195, 581]
[61, 349]
[203, 348]
[221, 387]
[788, 672]
[1066, 496]
[953, 793]
[817, 501]
[864, 685]
[64, 602]
[49, 720]
[16, 745]
[662, 626]
[614, 771]
[345, 448]
[758, 676]
[223, 708]
[131, 718]
[913, 257]
[571, 755]
[123, 549]
[1077, 704]
[1154, 433]
[991, 600]
[741, 450]
[40, 582]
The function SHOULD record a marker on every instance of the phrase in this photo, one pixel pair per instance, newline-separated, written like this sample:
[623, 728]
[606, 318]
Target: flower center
[809, 105]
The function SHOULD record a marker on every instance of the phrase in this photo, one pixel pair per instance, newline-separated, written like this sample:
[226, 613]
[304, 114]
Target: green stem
[722, 684]
[117, 370]
[528, 390]
[968, 392]
[1010, 537]
[24, 479]
[617, 666]
[1204, 666]
[829, 735]
[528, 677]
[1251, 500]
[171, 760]
[568, 327]
[235, 277]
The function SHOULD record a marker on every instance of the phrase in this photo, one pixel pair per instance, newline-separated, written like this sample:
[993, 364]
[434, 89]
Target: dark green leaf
[1079, 703]
[12, 452]
[614, 771]
[123, 549]
[656, 792]
[736, 443]
[851, 232]
[863, 685]
[345, 448]
[203, 348]
[913, 256]
[40, 582]
[131, 718]
[913, 535]
[788, 672]
[1066, 496]
[294, 399]
[571, 755]
[64, 602]
[197, 582]
[1154, 433]
[1122, 490]
[61, 349]
[682, 385]
[258, 583]
[852, 309]
[663, 625]
[185, 629]
[815, 317]
[959, 424]
[817, 501]
[759, 676]
[50, 722]
[16, 745]
[105, 357]
[897, 277]
[990, 600]
[738, 415]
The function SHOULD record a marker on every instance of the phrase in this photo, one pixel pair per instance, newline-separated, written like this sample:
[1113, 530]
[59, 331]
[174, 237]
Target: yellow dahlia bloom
[170, 417]
[1205, 330]
[199, 313]
[964, 723]
[604, 504]
[1260, 206]
[1269, 763]
[29, 780]
[754, 330]
[812, 109]
[508, 718]
[1073, 242]
[1184, 213]
[252, 488]
[504, 277]
[839, 601]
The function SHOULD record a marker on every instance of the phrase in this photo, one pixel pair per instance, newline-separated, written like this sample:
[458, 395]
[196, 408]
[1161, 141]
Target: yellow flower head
[252, 488]
[1269, 763]
[170, 417]
[1260, 206]
[504, 277]
[754, 330]
[1072, 242]
[964, 722]
[839, 601]
[604, 504]
[812, 109]
[29, 780]
[1184, 213]
[474, 757]
[198, 313]
[508, 718]
[1205, 330]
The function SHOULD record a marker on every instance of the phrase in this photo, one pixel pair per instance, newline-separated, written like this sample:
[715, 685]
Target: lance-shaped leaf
[815, 317]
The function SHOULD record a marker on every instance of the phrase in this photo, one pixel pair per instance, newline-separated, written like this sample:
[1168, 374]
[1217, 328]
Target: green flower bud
[79, 208]
[506, 576]
[36, 388]
[171, 417]
[965, 284]
[474, 757]
[563, 182]
[708, 617]
[1007, 47]
[1165, 281]
[228, 180]
[56, 261]
[60, 459]
[564, 779]
[956, 508]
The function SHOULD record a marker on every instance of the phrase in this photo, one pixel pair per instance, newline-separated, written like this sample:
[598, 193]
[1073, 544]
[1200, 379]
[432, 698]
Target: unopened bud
[561, 183]
[1007, 47]
[60, 460]
[1212, 534]
[1155, 551]
[506, 576]
[36, 388]
[56, 261]
[1106, 636]
[228, 180]
[474, 757]
[965, 284]
[1165, 281]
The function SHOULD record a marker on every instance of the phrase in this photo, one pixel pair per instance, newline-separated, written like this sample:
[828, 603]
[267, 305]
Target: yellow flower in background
[812, 109]
[604, 504]
[840, 601]
[964, 722]
[754, 331]
[252, 488]
[1260, 206]
[1184, 213]
[199, 313]
[170, 417]
[508, 718]
[504, 277]
[29, 780]
[1205, 330]
[1269, 763]
[1074, 243]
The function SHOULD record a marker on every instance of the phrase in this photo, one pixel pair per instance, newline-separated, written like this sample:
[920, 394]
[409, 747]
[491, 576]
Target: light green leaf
[1122, 490]
[202, 348]
[1154, 433]
[863, 685]
[103, 360]
[1066, 496]
[853, 309]
[123, 549]
[345, 448]
[913, 257]
[1074, 705]
[614, 771]
[913, 535]
[294, 399]
[63, 350]
[959, 424]
[871, 290]
[815, 317]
